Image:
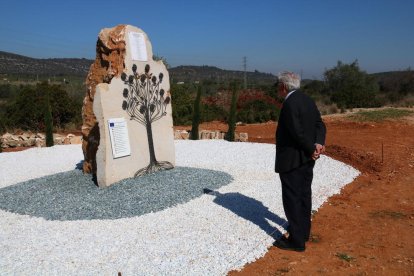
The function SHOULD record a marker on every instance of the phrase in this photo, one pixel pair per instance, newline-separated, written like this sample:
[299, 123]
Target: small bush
[333, 109]
[325, 109]
[344, 256]
[408, 102]
[71, 127]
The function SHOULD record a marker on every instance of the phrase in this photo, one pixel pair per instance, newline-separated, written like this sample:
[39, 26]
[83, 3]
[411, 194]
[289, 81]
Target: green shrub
[182, 104]
[48, 122]
[258, 111]
[196, 115]
[350, 87]
[211, 112]
[27, 110]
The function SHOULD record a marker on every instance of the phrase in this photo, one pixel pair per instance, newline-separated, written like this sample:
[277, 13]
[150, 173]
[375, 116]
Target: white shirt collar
[290, 93]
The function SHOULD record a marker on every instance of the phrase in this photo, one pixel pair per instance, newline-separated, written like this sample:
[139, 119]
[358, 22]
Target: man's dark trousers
[297, 201]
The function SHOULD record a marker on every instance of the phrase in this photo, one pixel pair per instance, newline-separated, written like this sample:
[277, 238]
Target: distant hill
[189, 73]
[400, 83]
[16, 64]
[399, 76]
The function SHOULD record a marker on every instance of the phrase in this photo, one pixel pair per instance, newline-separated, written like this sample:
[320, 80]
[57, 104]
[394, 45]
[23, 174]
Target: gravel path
[60, 224]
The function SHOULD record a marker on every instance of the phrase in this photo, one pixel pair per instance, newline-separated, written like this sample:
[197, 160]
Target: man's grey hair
[290, 79]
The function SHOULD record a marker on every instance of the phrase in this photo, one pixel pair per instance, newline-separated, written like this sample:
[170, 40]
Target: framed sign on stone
[118, 132]
[138, 46]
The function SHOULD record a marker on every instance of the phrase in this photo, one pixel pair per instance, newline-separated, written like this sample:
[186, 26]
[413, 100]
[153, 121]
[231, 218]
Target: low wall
[208, 134]
[29, 139]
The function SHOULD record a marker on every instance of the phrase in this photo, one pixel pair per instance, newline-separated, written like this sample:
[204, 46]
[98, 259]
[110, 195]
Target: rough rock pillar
[109, 62]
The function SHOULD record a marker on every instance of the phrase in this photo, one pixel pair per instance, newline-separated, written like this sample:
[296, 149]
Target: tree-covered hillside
[12, 64]
[24, 82]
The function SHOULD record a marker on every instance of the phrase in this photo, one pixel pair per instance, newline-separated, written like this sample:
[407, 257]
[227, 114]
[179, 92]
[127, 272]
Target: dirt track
[368, 228]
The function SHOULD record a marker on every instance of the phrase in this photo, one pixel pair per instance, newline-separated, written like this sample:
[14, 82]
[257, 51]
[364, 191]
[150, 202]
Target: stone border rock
[29, 139]
[208, 134]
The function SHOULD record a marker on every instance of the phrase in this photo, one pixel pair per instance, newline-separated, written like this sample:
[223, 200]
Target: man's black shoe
[284, 237]
[285, 244]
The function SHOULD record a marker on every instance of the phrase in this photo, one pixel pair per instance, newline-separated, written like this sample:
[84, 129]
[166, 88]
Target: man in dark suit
[300, 139]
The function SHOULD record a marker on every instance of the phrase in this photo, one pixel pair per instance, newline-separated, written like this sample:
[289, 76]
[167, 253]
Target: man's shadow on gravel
[249, 209]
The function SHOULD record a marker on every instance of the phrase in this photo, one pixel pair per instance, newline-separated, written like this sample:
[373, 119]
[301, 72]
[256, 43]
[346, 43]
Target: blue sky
[303, 36]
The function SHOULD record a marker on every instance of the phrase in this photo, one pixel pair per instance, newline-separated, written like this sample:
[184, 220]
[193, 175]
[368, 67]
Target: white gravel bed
[209, 235]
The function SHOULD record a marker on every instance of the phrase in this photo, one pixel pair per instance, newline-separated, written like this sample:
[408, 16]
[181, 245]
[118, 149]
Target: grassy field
[380, 114]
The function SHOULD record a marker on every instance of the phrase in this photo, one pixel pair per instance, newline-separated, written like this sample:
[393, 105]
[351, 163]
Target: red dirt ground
[368, 228]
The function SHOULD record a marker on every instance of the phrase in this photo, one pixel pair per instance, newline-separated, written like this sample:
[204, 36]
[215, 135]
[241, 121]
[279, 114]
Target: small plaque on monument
[138, 46]
[118, 132]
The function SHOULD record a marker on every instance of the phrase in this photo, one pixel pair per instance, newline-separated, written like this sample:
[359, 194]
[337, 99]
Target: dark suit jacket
[299, 127]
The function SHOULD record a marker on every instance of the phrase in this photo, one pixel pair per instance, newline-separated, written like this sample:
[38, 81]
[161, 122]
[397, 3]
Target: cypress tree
[232, 116]
[196, 115]
[48, 122]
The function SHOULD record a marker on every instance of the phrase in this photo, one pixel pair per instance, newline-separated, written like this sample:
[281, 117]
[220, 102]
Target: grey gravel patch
[73, 195]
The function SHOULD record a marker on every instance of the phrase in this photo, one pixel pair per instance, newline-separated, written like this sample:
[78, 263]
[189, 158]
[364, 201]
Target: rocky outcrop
[109, 62]
[29, 139]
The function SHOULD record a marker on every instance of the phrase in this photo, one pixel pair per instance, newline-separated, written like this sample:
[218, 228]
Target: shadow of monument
[249, 209]
[72, 195]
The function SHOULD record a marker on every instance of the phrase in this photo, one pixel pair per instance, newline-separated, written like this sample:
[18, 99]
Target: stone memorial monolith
[127, 118]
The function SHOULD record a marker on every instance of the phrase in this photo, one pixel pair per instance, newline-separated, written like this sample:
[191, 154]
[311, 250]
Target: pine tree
[232, 116]
[196, 115]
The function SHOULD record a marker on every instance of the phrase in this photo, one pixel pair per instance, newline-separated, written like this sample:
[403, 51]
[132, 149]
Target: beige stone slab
[108, 104]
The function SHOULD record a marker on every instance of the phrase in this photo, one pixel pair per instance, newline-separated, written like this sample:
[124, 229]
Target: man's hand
[319, 149]
[315, 155]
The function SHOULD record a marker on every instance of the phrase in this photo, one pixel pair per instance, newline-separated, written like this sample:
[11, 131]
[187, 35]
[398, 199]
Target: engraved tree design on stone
[146, 103]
